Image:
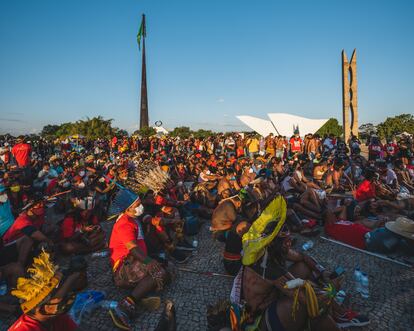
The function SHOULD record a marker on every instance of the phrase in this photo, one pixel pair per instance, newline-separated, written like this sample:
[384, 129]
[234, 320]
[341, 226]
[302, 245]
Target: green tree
[332, 126]
[395, 125]
[91, 128]
[182, 132]
[201, 134]
[146, 132]
[366, 129]
[49, 131]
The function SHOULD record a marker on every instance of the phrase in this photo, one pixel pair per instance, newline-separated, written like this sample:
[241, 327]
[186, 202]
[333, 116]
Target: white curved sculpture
[282, 124]
[261, 126]
[285, 124]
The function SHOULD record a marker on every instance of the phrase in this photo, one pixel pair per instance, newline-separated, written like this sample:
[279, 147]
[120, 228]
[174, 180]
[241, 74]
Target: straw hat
[402, 226]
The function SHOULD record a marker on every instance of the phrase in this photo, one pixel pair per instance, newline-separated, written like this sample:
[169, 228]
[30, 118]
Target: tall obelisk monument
[142, 33]
[349, 96]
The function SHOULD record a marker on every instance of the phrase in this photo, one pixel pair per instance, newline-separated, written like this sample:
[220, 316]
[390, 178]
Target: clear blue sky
[207, 60]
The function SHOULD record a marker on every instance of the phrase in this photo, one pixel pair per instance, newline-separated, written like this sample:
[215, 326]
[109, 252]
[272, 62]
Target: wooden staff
[204, 273]
[367, 252]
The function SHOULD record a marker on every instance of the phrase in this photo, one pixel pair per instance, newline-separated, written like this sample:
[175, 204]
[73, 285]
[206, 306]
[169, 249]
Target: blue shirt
[6, 217]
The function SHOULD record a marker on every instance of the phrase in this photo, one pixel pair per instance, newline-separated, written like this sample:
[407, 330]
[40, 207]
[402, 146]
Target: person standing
[22, 152]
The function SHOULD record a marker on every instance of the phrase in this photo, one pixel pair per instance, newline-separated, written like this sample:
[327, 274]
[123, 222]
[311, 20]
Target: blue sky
[207, 60]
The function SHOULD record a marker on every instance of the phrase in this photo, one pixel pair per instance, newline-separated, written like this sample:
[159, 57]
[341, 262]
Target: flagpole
[144, 121]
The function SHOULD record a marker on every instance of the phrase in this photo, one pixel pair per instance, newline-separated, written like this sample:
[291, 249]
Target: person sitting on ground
[132, 268]
[29, 223]
[45, 176]
[80, 231]
[403, 175]
[167, 228]
[6, 214]
[266, 292]
[233, 248]
[47, 295]
[225, 214]
[228, 186]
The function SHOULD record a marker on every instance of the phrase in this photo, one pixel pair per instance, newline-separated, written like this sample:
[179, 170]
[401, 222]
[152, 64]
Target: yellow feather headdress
[33, 290]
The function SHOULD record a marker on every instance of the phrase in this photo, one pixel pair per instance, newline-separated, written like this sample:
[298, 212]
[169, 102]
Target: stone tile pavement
[390, 305]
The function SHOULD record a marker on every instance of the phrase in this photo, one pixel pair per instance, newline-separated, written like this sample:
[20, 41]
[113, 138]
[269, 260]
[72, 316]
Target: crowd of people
[253, 192]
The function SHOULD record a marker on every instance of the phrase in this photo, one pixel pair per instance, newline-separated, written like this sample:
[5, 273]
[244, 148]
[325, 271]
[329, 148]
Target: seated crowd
[158, 192]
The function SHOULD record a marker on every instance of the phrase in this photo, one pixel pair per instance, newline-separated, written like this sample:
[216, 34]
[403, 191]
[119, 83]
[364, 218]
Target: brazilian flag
[141, 32]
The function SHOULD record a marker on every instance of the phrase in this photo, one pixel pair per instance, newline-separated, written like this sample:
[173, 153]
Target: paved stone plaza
[390, 306]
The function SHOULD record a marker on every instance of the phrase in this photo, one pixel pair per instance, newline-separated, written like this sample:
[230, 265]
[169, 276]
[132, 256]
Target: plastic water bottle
[357, 279]
[100, 254]
[364, 286]
[108, 304]
[3, 288]
[307, 245]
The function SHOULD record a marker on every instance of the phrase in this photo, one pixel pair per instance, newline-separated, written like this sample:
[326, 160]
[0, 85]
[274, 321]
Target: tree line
[98, 127]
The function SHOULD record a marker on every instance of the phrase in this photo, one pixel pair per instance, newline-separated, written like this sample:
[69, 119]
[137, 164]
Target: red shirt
[391, 149]
[21, 153]
[70, 225]
[375, 149]
[125, 230]
[350, 233]
[365, 191]
[295, 144]
[59, 323]
[15, 231]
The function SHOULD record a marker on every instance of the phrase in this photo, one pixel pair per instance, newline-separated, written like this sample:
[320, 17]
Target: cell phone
[338, 272]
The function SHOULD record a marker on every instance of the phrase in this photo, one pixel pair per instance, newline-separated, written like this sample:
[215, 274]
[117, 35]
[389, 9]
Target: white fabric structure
[282, 124]
[261, 126]
[285, 124]
[160, 129]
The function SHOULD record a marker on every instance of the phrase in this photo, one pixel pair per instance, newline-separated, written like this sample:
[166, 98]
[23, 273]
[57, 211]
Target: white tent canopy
[282, 124]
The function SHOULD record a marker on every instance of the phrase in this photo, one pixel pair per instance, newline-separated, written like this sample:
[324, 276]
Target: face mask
[3, 198]
[233, 178]
[82, 173]
[65, 184]
[86, 204]
[139, 210]
[81, 185]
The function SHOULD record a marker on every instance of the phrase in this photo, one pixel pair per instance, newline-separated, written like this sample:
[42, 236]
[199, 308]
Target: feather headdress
[149, 174]
[42, 280]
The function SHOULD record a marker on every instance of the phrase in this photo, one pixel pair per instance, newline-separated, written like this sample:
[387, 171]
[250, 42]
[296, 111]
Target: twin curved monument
[285, 124]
